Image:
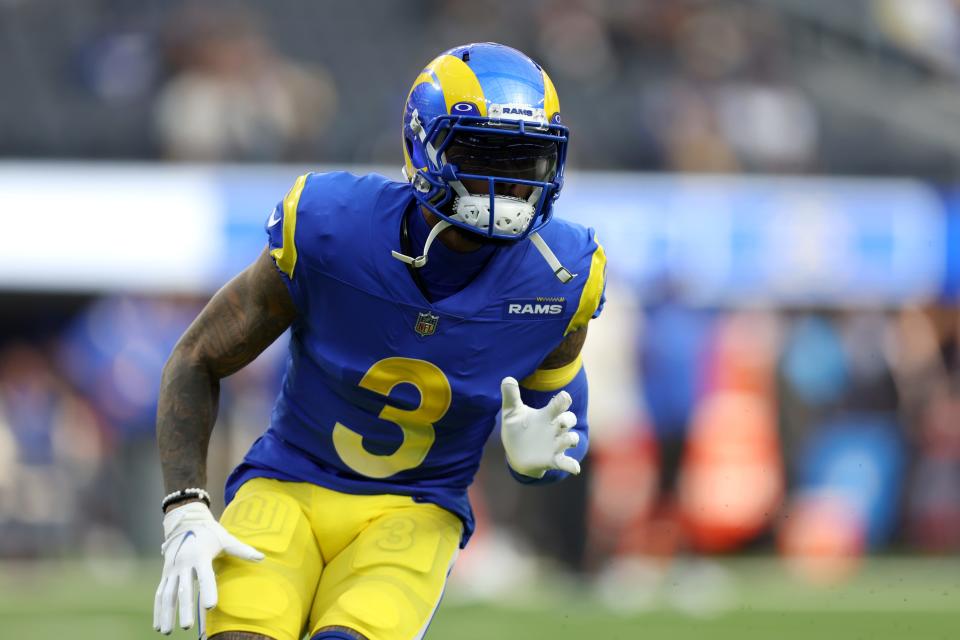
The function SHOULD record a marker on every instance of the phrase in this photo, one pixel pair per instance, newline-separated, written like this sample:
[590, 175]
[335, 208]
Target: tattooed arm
[566, 352]
[239, 322]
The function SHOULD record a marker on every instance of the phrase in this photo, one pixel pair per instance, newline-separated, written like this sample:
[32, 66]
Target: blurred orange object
[733, 480]
[744, 354]
[622, 492]
[822, 538]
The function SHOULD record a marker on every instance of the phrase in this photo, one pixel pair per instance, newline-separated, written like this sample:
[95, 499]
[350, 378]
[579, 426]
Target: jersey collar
[484, 290]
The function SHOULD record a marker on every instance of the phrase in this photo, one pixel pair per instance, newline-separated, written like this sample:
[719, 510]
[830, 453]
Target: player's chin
[478, 238]
[485, 240]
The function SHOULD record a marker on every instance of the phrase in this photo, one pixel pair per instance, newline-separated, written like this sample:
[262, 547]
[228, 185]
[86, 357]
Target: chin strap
[421, 260]
[562, 273]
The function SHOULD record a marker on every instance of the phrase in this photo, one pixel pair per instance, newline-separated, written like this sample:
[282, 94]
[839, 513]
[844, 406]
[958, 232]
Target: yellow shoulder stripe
[592, 290]
[553, 379]
[286, 256]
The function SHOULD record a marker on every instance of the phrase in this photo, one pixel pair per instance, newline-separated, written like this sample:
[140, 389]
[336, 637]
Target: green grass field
[891, 598]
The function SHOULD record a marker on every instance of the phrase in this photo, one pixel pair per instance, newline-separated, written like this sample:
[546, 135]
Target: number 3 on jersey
[416, 424]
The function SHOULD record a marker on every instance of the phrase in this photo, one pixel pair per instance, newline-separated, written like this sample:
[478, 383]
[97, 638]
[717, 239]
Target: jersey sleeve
[319, 227]
[591, 264]
[592, 296]
[282, 239]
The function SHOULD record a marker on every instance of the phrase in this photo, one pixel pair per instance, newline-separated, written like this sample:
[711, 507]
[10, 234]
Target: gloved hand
[536, 439]
[192, 539]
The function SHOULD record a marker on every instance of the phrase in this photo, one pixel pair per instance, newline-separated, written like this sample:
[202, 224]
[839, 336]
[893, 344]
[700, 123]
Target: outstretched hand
[536, 440]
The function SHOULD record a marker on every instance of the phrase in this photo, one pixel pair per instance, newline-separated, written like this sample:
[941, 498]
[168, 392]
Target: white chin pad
[513, 215]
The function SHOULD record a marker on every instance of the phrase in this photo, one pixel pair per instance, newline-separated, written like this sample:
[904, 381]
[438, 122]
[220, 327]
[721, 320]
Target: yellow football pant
[376, 564]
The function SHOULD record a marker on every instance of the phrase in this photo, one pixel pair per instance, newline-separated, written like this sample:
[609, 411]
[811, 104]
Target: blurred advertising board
[716, 240]
[787, 241]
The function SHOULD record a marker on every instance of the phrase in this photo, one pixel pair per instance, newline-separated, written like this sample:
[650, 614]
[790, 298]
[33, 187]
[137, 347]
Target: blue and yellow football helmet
[486, 114]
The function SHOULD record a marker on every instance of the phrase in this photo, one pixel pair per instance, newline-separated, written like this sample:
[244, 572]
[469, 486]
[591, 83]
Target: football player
[414, 309]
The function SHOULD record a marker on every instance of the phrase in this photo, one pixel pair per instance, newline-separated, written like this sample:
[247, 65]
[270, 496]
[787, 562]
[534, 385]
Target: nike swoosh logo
[182, 540]
[274, 218]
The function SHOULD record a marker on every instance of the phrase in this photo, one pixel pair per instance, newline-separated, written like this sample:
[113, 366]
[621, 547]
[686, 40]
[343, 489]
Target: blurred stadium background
[775, 382]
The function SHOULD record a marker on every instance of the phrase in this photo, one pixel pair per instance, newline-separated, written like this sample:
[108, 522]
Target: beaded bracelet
[193, 493]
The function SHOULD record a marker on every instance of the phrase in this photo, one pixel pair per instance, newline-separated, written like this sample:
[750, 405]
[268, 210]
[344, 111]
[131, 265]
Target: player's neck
[451, 265]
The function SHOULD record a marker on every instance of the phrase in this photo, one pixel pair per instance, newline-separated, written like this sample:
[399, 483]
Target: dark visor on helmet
[503, 156]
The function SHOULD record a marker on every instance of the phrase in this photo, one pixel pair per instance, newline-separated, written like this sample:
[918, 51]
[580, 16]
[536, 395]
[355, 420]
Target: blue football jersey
[384, 391]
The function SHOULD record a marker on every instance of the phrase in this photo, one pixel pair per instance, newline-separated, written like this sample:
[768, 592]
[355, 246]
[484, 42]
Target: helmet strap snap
[421, 260]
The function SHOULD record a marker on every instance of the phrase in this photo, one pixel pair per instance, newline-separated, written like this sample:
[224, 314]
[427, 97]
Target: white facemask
[512, 216]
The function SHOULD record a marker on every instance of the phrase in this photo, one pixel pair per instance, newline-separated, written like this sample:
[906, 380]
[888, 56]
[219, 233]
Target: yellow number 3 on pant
[417, 425]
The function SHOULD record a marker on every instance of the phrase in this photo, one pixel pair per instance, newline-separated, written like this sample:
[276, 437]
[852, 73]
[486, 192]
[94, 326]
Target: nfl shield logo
[426, 323]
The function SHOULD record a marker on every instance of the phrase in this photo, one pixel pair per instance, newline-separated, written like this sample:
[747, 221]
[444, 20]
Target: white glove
[536, 439]
[192, 539]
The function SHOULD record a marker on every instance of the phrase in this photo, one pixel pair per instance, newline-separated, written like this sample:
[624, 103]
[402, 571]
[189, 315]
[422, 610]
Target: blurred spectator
[926, 352]
[77, 445]
[813, 364]
[732, 105]
[233, 97]
[29, 392]
[645, 84]
[120, 67]
[814, 377]
[53, 447]
[575, 41]
[114, 352]
[673, 349]
[929, 28]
